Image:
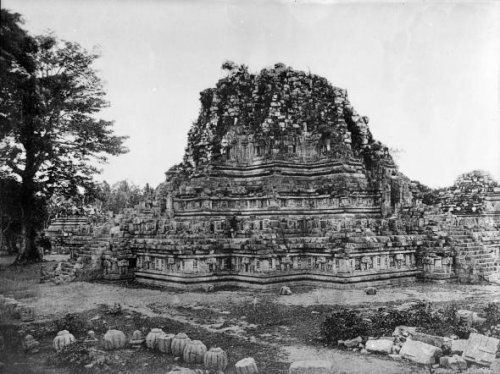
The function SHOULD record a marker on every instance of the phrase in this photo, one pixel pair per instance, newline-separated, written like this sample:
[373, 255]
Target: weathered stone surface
[404, 331]
[481, 349]
[379, 346]
[246, 366]
[371, 291]
[454, 362]
[285, 290]
[353, 342]
[437, 341]
[458, 345]
[419, 352]
[311, 367]
[470, 317]
[495, 366]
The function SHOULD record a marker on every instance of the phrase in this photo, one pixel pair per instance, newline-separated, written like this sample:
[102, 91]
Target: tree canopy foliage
[50, 137]
[121, 195]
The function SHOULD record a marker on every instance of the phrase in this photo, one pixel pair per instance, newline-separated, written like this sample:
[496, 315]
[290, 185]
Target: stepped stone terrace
[283, 182]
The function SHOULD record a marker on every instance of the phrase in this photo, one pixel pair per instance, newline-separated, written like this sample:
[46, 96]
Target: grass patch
[20, 281]
[142, 361]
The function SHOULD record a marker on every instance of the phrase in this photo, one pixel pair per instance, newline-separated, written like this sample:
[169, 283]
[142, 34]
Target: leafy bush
[115, 309]
[492, 312]
[342, 325]
[76, 354]
[348, 324]
[72, 323]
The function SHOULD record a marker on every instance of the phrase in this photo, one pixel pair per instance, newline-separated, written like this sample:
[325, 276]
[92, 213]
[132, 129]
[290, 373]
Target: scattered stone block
[90, 339]
[470, 318]
[285, 291]
[455, 362]
[352, 343]
[246, 366]
[481, 349]
[208, 288]
[181, 370]
[437, 341]
[30, 344]
[465, 316]
[420, 352]
[458, 346]
[404, 331]
[495, 366]
[26, 313]
[137, 339]
[379, 346]
[371, 291]
[391, 338]
[311, 367]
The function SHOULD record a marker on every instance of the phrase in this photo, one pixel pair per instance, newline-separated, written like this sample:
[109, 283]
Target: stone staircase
[474, 261]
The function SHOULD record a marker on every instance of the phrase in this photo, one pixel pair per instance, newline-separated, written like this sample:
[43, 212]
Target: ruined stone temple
[282, 182]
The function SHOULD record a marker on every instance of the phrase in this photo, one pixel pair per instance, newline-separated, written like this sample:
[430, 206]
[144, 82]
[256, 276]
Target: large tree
[51, 139]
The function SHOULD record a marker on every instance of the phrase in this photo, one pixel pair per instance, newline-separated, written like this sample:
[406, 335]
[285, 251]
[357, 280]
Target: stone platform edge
[190, 281]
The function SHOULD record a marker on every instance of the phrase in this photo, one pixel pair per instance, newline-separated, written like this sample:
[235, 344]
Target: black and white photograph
[250, 187]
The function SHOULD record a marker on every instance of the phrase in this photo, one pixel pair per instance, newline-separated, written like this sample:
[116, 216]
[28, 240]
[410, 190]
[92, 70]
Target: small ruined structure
[283, 182]
[94, 252]
[469, 223]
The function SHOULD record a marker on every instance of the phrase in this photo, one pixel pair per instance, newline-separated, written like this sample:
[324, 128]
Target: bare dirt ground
[289, 324]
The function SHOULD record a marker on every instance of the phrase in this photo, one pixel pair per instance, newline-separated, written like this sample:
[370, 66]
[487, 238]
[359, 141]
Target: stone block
[420, 352]
[466, 316]
[481, 349]
[379, 346]
[404, 331]
[285, 290]
[371, 291]
[311, 367]
[353, 342]
[495, 366]
[454, 362]
[458, 346]
[437, 341]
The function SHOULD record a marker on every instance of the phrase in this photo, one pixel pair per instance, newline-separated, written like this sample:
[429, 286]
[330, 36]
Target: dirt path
[429, 292]
[79, 296]
[353, 363]
[52, 300]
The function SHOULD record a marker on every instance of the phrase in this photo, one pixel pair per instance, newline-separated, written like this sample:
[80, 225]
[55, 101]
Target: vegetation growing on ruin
[348, 323]
[275, 103]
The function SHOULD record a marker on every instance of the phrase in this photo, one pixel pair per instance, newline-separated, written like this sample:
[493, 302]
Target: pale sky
[425, 73]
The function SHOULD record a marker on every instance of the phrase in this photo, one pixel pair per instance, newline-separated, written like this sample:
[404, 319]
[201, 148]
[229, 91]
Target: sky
[425, 73]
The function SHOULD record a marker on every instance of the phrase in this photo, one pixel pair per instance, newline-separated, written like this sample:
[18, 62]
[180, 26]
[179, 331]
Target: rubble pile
[450, 352]
[10, 308]
[471, 194]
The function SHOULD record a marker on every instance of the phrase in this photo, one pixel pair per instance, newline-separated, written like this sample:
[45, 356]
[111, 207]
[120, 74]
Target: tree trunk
[29, 252]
